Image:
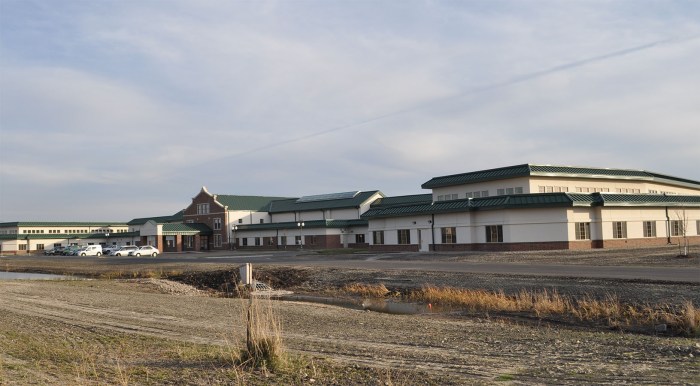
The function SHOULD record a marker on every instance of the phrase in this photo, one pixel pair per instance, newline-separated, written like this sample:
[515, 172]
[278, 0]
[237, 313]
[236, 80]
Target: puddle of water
[34, 276]
[376, 305]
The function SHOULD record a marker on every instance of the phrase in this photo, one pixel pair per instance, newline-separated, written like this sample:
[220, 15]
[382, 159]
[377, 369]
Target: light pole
[233, 232]
[300, 224]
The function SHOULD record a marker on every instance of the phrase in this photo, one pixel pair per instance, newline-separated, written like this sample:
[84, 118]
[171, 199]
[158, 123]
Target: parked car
[70, 251]
[91, 250]
[146, 250]
[108, 249]
[124, 251]
[54, 251]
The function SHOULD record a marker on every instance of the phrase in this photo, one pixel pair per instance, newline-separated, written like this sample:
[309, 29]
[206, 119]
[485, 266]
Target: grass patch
[609, 310]
[366, 290]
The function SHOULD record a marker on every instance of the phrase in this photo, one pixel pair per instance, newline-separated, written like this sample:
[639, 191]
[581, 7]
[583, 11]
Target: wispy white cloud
[304, 98]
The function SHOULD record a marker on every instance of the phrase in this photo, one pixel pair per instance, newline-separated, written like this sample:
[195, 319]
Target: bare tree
[682, 232]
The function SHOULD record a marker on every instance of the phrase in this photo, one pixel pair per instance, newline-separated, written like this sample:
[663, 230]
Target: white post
[246, 271]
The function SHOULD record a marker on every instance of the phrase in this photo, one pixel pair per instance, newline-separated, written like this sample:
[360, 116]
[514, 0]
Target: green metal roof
[647, 200]
[307, 224]
[539, 200]
[535, 200]
[177, 217]
[404, 200]
[257, 203]
[294, 205]
[526, 170]
[186, 229]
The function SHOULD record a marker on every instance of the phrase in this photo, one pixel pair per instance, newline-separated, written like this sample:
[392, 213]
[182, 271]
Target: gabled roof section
[294, 205]
[177, 217]
[256, 203]
[527, 170]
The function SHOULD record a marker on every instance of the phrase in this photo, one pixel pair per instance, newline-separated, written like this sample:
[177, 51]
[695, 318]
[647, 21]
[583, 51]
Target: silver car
[124, 251]
[146, 250]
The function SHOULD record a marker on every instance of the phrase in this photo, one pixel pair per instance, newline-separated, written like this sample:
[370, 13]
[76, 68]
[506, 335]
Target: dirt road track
[465, 351]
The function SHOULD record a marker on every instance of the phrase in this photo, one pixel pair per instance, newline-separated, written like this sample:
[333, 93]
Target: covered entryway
[185, 237]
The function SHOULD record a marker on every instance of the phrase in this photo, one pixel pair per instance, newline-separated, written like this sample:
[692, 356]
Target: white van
[91, 250]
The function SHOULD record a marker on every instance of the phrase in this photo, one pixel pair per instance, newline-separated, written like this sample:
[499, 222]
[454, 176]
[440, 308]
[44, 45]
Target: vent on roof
[328, 197]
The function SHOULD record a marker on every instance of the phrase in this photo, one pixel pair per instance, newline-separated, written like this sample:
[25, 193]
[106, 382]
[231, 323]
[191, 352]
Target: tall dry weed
[263, 342]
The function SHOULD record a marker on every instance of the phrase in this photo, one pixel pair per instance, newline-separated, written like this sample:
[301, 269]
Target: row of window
[70, 231]
[480, 193]
[494, 234]
[619, 228]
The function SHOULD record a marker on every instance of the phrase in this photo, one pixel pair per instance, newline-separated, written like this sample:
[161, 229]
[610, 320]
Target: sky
[114, 110]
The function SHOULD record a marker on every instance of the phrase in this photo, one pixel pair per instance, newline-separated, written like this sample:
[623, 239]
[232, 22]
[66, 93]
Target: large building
[521, 207]
[530, 207]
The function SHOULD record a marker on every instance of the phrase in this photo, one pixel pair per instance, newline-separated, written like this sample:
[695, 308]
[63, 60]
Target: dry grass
[263, 342]
[366, 290]
[610, 310]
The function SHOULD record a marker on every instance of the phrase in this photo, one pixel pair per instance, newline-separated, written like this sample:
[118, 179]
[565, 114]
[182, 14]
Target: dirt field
[153, 331]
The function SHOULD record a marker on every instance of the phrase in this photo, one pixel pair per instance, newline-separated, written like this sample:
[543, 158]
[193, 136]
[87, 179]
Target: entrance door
[424, 240]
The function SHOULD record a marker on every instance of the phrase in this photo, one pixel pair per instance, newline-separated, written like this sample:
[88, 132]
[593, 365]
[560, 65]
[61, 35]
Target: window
[23, 247]
[270, 241]
[619, 229]
[649, 228]
[583, 231]
[449, 235]
[240, 221]
[203, 208]
[518, 190]
[297, 240]
[245, 241]
[404, 236]
[262, 221]
[378, 237]
[217, 240]
[494, 233]
[500, 192]
[482, 193]
[40, 247]
[217, 224]
[676, 228]
[283, 240]
[360, 238]
[257, 241]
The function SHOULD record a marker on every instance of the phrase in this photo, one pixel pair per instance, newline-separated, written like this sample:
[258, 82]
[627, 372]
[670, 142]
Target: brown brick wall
[215, 211]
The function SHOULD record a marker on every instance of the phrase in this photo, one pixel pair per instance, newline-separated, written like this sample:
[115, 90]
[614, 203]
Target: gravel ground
[428, 348]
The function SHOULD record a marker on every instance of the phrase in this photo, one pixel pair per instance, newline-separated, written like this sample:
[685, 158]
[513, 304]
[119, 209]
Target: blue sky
[112, 110]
